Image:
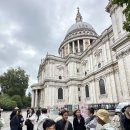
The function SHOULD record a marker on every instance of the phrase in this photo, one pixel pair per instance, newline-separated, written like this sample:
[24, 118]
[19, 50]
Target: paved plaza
[6, 116]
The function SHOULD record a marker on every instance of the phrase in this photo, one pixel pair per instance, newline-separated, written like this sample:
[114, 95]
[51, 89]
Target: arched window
[102, 86]
[60, 77]
[87, 90]
[60, 93]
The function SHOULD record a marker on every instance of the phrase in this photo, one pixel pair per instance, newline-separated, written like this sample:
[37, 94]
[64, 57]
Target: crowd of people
[101, 116]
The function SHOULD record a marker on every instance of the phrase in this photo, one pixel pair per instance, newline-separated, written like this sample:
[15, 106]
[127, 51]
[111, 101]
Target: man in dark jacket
[14, 121]
[64, 124]
[38, 113]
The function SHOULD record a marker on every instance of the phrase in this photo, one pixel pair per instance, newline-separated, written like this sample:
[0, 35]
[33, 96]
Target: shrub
[6, 103]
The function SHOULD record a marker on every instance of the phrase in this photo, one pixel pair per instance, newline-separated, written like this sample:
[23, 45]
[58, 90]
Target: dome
[80, 25]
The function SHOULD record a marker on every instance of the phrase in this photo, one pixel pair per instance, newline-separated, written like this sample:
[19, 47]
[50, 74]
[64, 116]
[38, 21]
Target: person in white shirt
[59, 117]
[31, 119]
[42, 118]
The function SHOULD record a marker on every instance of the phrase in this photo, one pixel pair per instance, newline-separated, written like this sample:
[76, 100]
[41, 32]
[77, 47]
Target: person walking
[42, 118]
[102, 117]
[125, 118]
[78, 121]
[30, 119]
[91, 122]
[64, 124]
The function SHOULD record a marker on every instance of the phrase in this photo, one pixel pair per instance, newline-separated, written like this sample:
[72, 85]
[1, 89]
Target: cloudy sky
[31, 28]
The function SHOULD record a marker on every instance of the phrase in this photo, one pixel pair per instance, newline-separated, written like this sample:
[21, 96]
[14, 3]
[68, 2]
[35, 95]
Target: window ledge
[60, 100]
[87, 98]
[103, 96]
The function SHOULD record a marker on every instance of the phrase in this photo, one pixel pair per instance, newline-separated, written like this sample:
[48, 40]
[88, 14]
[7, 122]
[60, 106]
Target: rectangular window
[87, 91]
[79, 99]
[78, 89]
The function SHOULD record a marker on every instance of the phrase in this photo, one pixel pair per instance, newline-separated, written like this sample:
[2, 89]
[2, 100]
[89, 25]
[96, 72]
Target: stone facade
[90, 69]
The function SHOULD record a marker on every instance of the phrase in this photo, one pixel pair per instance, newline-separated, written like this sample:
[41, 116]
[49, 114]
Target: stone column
[36, 96]
[93, 95]
[32, 103]
[83, 44]
[62, 53]
[108, 88]
[78, 46]
[73, 47]
[96, 90]
[127, 68]
[123, 78]
[113, 85]
[68, 48]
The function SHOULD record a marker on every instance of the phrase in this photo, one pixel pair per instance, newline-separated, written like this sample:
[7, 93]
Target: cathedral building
[90, 69]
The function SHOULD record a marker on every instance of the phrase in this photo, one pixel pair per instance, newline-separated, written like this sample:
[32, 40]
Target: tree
[18, 100]
[126, 12]
[14, 81]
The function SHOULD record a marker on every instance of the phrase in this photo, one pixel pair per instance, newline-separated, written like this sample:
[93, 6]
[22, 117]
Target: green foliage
[26, 101]
[6, 103]
[14, 81]
[126, 12]
[18, 100]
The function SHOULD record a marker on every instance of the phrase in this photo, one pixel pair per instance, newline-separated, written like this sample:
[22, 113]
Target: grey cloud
[43, 26]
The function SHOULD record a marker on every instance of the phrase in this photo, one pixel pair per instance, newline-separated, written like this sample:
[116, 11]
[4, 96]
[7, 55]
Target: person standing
[64, 124]
[31, 119]
[38, 113]
[2, 122]
[27, 112]
[102, 117]
[48, 125]
[78, 121]
[14, 120]
[116, 120]
[125, 118]
[21, 119]
[42, 118]
[91, 122]
[59, 117]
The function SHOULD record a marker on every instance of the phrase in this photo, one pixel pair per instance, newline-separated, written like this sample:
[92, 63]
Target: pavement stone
[6, 116]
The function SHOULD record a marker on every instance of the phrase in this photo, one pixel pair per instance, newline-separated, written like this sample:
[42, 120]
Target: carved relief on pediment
[98, 52]
[84, 62]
